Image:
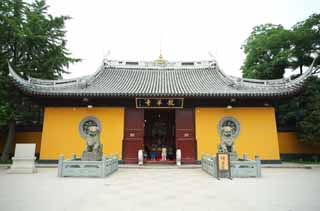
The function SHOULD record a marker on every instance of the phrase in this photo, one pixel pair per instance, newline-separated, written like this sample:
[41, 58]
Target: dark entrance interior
[159, 135]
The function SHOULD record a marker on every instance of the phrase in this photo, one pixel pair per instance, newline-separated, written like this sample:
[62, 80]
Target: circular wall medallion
[88, 122]
[231, 122]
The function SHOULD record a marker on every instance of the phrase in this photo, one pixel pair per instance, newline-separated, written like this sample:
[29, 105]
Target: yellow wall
[24, 137]
[258, 131]
[61, 131]
[29, 137]
[289, 144]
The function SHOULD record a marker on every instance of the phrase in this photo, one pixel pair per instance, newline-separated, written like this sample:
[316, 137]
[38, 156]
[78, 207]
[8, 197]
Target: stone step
[170, 166]
[159, 166]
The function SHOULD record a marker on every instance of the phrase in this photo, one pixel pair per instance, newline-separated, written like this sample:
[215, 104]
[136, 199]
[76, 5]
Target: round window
[230, 122]
[86, 123]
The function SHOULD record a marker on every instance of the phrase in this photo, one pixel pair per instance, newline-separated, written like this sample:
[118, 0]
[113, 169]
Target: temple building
[159, 104]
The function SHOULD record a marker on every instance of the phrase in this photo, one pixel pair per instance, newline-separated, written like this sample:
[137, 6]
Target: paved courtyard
[161, 189]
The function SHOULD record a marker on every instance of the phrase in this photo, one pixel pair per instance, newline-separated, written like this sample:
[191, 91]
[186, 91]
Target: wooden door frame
[132, 144]
[187, 143]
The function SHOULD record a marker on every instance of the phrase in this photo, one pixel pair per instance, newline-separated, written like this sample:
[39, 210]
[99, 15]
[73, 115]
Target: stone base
[240, 168]
[22, 170]
[91, 156]
[80, 168]
[22, 166]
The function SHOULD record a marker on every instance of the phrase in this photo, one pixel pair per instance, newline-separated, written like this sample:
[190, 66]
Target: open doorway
[159, 136]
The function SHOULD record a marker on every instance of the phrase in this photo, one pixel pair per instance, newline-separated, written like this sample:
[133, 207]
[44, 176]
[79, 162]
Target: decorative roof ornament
[160, 61]
[212, 56]
[105, 58]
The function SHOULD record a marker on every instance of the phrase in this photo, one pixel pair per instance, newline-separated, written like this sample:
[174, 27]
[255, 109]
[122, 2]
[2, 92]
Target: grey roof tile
[203, 79]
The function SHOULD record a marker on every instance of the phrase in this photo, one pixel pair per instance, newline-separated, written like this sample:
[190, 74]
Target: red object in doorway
[148, 161]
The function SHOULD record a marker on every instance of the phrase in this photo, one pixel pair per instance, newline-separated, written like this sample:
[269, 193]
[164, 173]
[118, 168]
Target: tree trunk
[7, 149]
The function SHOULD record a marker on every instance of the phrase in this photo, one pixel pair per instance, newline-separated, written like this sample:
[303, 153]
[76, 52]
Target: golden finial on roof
[160, 60]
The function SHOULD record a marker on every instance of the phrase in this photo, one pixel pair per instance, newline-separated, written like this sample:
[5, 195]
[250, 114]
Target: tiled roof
[175, 79]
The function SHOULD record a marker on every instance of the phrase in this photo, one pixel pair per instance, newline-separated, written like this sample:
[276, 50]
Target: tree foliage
[33, 42]
[270, 50]
[305, 43]
[267, 52]
[308, 122]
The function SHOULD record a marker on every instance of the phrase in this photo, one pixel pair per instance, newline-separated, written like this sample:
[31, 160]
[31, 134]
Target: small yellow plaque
[223, 162]
[223, 165]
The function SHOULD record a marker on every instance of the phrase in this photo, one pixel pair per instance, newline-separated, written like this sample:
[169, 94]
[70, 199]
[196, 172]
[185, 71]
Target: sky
[185, 30]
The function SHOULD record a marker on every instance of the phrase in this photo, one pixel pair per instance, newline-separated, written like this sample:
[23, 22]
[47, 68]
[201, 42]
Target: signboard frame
[153, 99]
[223, 167]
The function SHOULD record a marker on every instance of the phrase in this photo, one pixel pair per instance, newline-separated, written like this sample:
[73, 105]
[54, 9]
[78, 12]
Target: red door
[133, 134]
[185, 135]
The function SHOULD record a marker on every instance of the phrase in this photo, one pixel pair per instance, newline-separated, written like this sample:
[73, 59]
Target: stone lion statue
[93, 148]
[92, 139]
[226, 140]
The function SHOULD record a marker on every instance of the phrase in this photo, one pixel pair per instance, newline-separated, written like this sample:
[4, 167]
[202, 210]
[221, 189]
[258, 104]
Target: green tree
[33, 42]
[267, 50]
[305, 41]
[308, 128]
[270, 49]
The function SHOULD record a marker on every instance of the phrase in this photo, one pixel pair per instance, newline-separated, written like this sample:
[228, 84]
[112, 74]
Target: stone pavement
[161, 189]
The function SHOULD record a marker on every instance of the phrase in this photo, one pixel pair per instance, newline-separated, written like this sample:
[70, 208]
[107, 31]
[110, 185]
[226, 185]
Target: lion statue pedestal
[92, 156]
[93, 149]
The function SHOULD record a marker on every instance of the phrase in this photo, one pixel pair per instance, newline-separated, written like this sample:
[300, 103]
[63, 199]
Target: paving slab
[161, 189]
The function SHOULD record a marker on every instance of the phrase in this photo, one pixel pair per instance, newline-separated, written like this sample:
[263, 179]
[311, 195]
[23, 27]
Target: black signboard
[223, 165]
[159, 102]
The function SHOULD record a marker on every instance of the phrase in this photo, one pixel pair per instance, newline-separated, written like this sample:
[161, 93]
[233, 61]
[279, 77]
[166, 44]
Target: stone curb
[133, 166]
[199, 166]
[158, 166]
[280, 166]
